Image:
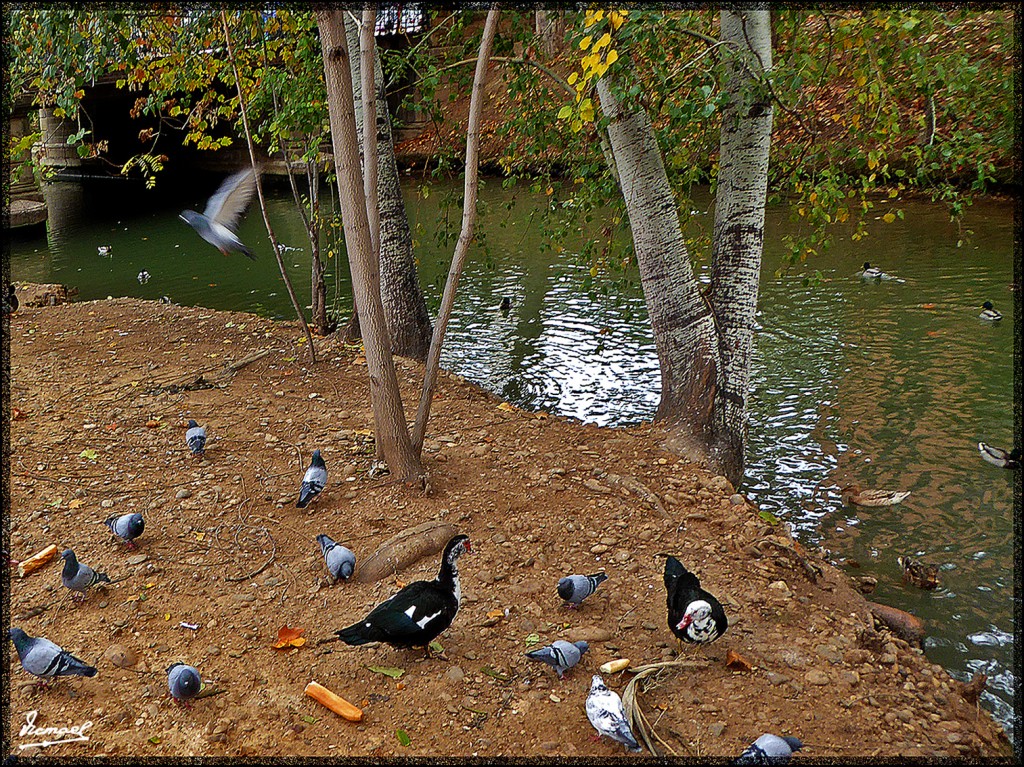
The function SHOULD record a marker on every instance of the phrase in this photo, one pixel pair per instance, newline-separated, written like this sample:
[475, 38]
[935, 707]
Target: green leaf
[533, 639]
[436, 647]
[390, 671]
[496, 674]
[768, 517]
[89, 453]
[154, 740]
[309, 719]
[403, 737]
[564, 112]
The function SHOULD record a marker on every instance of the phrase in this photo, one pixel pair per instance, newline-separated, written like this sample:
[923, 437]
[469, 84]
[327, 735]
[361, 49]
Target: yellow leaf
[573, 77]
[507, 407]
[861, 80]
[167, 616]
[888, 218]
[199, 535]
[74, 504]
[612, 57]
[587, 110]
[605, 40]
[585, 42]
[496, 613]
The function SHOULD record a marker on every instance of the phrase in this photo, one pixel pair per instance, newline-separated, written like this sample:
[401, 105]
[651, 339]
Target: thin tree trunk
[466, 235]
[389, 419]
[739, 218]
[259, 191]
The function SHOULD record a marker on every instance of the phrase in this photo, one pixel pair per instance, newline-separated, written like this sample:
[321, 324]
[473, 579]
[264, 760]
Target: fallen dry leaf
[496, 613]
[737, 662]
[75, 503]
[17, 414]
[289, 637]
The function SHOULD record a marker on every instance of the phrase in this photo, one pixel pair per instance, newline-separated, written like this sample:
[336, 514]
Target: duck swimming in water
[989, 313]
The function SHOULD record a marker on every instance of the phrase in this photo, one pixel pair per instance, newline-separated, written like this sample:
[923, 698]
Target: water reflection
[887, 384]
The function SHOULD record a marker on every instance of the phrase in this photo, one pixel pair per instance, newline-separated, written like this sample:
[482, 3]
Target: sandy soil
[100, 393]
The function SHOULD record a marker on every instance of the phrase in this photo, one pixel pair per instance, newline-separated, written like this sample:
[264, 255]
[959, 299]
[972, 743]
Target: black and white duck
[694, 615]
[870, 272]
[989, 313]
[999, 457]
[419, 612]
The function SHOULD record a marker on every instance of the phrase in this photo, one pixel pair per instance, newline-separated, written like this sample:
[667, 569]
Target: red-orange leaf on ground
[289, 637]
[17, 414]
[737, 662]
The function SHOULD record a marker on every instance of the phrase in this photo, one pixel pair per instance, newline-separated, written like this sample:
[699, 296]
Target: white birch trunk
[681, 320]
[739, 217]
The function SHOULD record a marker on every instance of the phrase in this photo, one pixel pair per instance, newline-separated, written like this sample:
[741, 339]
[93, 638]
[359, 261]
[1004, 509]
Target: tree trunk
[681, 319]
[404, 306]
[469, 196]
[389, 418]
[738, 236]
[549, 28]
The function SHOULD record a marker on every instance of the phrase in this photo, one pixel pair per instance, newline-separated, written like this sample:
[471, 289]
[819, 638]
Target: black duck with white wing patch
[418, 613]
[694, 615]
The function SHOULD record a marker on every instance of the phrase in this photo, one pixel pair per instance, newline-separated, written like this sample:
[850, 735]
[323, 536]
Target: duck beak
[686, 621]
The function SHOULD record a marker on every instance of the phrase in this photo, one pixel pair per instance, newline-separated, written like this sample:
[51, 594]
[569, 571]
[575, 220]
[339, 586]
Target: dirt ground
[100, 393]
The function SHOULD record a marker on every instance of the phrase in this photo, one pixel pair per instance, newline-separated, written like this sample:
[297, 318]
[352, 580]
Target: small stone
[736, 499]
[716, 728]
[455, 674]
[817, 677]
[138, 559]
[183, 493]
[121, 656]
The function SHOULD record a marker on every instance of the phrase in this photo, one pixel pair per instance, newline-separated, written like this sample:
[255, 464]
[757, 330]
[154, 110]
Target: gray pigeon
[46, 660]
[127, 527]
[575, 588]
[78, 577]
[769, 749]
[184, 682]
[340, 561]
[196, 438]
[605, 712]
[313, 481]
[219, 222]
[561, 655]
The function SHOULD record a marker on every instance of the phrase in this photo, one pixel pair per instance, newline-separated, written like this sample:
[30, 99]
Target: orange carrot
[335, 703]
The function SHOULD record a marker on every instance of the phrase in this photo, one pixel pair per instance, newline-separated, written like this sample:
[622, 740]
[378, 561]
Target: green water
[890, 384]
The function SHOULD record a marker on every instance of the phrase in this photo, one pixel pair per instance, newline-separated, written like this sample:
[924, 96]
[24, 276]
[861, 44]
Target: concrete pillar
[55, 150]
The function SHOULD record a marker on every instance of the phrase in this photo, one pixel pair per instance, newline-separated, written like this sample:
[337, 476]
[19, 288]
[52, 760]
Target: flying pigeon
[78, 577]
[560, 655]
[218, 223]
[575, 588]
[196, 438]
[340, 561]
[143, 277]
[769, 749]
[313, 480]
[184, 682]
[127, 527]
[419, 612]
[44, 659]
[694, 615]
[605, 712]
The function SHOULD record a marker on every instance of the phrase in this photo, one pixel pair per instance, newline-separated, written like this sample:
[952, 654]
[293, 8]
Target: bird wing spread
[231, 200]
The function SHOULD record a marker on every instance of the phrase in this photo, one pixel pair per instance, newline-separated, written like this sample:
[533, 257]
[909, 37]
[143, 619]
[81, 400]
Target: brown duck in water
[853, 494]
[917, 572]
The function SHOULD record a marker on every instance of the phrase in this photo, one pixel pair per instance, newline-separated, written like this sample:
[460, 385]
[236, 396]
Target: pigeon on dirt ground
[78, 577]
[340, 560]
[196, 438]
[184, 682]
[769, 749]
[560, 655]
[313, 481]
[42, 658]
[605, 712]
[575, 588]
[127, 527]
[218, 224]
